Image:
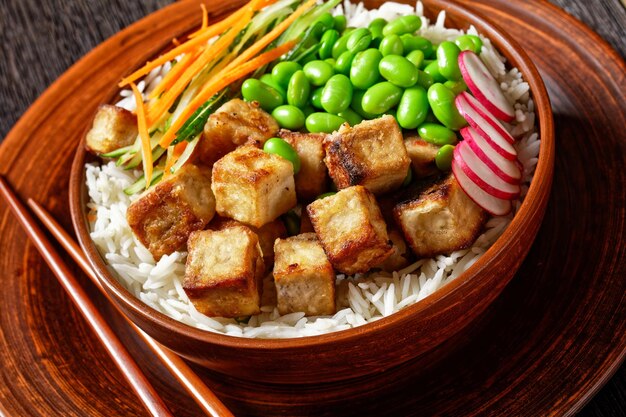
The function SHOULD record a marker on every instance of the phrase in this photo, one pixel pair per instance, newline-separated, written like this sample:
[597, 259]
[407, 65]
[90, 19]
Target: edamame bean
[318, 72]
[457, 87]
[432, 69]
[298, 89]
[316, 97]
[364, 70]
[443, 159]
[357, 105]
[436, 134]
[340, 46]
[280, 147]
[402, 25]
[412, 43]
[391, 45]
[269, 80]
[352, 117]
[398, 70]
[308, 109]
[424, 80]
[327, 42]
[327, 20]
[283, 71]
[331, 61]
[340, 23]
[448, 60]
[441, 101]
[415, 57]
[323, 122]
[469, 43]
[409, 178]
[381, 97]
[359, 40]
[413, 108]
[255, 90]
[289, 117]
[292, 222]
[328, 194]
[376, 27]
[337, 94]
[344, 62]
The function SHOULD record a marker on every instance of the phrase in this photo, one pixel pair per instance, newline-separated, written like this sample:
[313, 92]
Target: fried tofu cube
[422, 155]
[224, 272]
[252, 186]
[312, 179]
[113, 128]
[440, 218]
[400, 256]
[351, 229]
[304, 278]
[164, 217]
[235, 123]
[371, 154]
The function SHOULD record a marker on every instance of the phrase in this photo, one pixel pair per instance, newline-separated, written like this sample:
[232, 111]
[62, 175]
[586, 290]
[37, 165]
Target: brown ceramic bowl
[387, 342]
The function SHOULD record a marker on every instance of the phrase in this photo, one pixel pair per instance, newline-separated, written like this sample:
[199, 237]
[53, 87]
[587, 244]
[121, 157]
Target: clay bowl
[387, 342]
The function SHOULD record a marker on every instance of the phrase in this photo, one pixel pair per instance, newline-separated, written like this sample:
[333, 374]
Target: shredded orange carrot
[174, 73]
[205, 23]
[176, 42]
[220, 81]
[178, 150]
[146, 149]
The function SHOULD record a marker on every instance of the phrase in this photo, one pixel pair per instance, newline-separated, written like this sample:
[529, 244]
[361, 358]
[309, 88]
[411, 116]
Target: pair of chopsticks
[203, 396]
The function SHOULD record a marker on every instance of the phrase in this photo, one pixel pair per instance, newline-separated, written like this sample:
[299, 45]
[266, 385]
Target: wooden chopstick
[203, 396]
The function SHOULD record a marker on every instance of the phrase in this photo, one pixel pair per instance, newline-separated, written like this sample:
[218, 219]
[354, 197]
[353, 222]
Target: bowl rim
[532, 206]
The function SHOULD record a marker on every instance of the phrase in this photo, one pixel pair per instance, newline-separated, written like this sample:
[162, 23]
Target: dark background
[39, 40]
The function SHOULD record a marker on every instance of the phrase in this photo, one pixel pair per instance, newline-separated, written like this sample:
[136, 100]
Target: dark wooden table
[41, 39]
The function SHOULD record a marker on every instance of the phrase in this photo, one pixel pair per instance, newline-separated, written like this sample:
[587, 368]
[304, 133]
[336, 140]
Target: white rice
[361, 299]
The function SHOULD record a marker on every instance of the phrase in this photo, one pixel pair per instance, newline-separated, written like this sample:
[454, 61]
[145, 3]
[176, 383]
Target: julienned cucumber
[140, 184]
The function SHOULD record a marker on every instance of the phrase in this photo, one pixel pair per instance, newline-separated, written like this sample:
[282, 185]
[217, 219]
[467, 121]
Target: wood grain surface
[542, 339]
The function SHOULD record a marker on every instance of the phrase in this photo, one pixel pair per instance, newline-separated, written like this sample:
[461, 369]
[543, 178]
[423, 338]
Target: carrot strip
[178, 150]
[205, 22]
[146, 149]
[220, 81]
[174, 73]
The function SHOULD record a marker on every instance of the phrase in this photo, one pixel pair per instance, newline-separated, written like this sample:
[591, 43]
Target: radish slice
[484, 86]
[495, 206]
[498, 142]
[502, 167]
[481, 175]
[482, 111]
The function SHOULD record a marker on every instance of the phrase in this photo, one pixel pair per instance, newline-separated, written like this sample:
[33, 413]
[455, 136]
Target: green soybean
[391, 45]
[436, 134]
[408, 178]
[292, 222]
[308, 109]
[327, 42]
[412, 43]
[255, 90]
[413, 108]
[381, 97]
[441, 100]
[416, 58]
[280, 147]
[398, 70]
[357, 105]
[327, 20]
[331, 61]
[364, 70]
[448, 60]
[298, 89]
[323, 122]
[316, 97]
[344, 62]
[283, 71]
[269, 80]
[289, 117]
[359, 40]
[469, 43]
[328, 194]
[352, 117]
[318, 72]
[432, 69]
[376, 27]
[402, 25]
[457, 87]
[340, 46]
[337, 94]
[424, 80]
[443, 159]
[427, 62]
[339, 23]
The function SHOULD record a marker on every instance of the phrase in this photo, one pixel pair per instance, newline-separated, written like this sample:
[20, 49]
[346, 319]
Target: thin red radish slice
[481, 175]
[507, 170]
[495, 206]
[484, 86]
[498, 142]
[486, 114]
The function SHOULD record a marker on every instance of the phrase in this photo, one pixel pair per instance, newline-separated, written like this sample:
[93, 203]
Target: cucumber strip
[193, 126]
[306, 20]
[140, 184]
[185, 155]
[117, 153]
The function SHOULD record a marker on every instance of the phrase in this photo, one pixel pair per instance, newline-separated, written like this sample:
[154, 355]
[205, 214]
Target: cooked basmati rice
[361, 299]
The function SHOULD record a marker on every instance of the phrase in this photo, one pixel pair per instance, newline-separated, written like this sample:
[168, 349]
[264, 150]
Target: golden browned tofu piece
[312, 179]
[252, 186]
[305, 280]
[371, 154]
[351, 229]
[440, 219]
[113, 128]
[400, 255]
[164, 217]
[422, 155]
[224, 272]
[235, 123]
